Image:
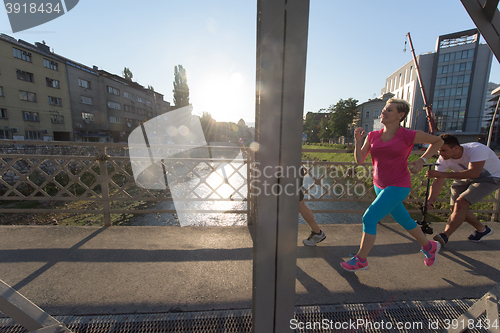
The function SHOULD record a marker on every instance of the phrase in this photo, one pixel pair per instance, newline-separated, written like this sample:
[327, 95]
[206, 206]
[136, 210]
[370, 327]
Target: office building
[455, 78]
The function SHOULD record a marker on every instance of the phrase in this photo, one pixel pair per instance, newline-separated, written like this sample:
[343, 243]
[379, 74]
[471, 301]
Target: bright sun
[225, 97]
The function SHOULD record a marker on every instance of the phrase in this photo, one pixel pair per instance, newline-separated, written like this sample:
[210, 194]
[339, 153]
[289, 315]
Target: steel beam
[24, 312]
[486, 17]
[282, 28]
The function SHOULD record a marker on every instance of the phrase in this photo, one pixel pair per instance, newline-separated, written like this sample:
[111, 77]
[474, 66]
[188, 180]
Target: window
[55, 101]
[33, 135]
[30, 116]
[441, 92]
[445, 69]
[462, 66]
[23, 55]
[440, 70]
[142, 100]
[128, 95]
[460, 79]
[4, 135]
[115, 120]
[52, 83]
[441, 58]
[453, 92]
[1, 91]
[50, 64]
[447, 57]
[459, 55]
[127, 108]
[448, 80]
[366, 128]
[25, 76]
[457, 102]
[27, 96]
[467, 78]
[367, 114]
[464, 54]
[463, 102]
[113, 91]
[84, 83]
[470, 53]
[469, 66]
[57, 119]
[148, 103]
[141, 111]
[86, 100]
[87, 117]
[113, 105]
[459, 91]
[447, 92]
[3, 113]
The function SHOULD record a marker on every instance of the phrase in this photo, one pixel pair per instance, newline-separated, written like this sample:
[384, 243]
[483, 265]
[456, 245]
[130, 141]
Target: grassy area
[57, 216]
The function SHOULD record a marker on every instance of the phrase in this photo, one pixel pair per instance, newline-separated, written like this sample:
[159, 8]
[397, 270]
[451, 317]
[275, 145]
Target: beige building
[34, 96]
[45, 96]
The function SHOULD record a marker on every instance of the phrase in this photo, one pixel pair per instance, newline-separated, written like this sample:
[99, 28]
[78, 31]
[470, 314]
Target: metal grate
[414, 316]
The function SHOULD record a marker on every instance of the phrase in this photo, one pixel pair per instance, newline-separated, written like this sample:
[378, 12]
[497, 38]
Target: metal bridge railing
[102, 173]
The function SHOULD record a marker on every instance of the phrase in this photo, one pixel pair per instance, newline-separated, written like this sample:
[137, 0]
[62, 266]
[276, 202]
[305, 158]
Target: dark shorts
[472, 191]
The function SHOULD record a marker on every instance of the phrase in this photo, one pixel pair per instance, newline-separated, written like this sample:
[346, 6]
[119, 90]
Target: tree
[324, 131]
[344, 113]
[127, 73]
[311, 128]
[150, 87]
[208, 124]
[181, 89]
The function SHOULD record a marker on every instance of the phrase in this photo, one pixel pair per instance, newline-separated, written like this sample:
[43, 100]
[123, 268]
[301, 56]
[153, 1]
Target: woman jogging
[390, 148]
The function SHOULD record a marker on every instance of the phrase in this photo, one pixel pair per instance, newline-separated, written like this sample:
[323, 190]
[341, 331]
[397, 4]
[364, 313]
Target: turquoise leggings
[389, 201]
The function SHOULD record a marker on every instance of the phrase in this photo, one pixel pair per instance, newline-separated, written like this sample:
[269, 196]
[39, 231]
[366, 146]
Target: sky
[351, 49]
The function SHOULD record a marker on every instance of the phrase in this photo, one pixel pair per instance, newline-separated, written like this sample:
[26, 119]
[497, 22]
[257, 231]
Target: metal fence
[63, 172]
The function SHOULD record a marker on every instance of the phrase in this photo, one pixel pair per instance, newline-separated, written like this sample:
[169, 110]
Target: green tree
[150, 87]
[344, 114]
[311, 128]
[127, 73]
[181, 89]
[324, 131]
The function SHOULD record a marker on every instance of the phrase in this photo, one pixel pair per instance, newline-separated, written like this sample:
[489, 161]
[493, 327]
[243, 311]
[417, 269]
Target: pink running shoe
[354, 264]
[431, 255]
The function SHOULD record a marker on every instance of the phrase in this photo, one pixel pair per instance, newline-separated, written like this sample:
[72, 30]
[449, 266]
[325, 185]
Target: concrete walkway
[119, 270]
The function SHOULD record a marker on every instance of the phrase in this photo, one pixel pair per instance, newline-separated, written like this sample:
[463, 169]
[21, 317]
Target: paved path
[117, 270]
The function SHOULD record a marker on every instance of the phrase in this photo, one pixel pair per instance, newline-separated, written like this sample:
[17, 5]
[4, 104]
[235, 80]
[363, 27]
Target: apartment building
[34, 94]
[455, 78]
[47, 96]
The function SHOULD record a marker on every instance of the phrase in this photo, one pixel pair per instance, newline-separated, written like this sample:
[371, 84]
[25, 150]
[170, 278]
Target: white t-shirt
[473, 152]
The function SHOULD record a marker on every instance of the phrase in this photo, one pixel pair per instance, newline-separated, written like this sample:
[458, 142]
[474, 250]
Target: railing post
[496, 207]
[103, 175]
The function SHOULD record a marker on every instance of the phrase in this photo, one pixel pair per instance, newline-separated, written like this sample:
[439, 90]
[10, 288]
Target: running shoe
[314, 238]
[477, 236]
[441, 238]
[431, 255]
[354, 264]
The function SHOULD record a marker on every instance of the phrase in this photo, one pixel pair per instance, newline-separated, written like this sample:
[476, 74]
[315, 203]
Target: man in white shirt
[475, 169]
